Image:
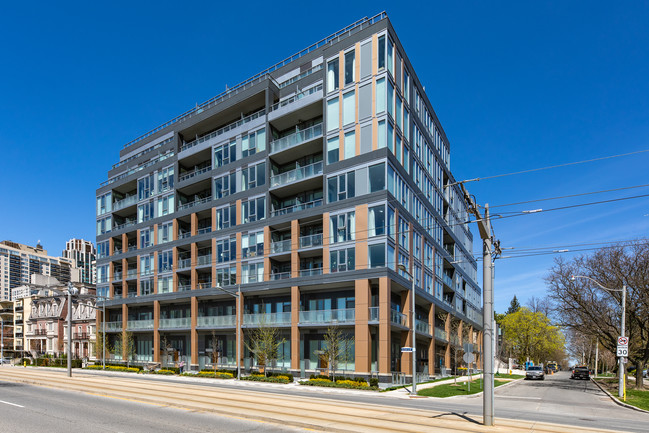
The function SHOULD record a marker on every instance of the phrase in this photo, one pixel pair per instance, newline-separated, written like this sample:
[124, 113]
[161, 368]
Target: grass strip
[450, 389]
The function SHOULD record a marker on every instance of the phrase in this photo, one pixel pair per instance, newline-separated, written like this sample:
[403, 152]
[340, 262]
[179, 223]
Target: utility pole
[484, 227]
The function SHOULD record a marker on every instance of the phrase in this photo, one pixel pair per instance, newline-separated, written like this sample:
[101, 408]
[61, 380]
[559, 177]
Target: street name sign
[406, 349]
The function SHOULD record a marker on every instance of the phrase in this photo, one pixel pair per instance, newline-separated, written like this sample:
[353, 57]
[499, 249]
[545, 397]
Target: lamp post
[620, 391]
[413, 316]
[237, 296]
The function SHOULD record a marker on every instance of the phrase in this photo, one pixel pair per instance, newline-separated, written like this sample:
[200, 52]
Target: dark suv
[580, 373]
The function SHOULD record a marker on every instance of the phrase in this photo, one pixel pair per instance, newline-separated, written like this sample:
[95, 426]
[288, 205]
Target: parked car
[6, 361]
[580, 373]
[534, 372]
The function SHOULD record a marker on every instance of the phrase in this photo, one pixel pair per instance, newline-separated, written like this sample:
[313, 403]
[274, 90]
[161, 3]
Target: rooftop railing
[339, 35]
[296, 97]
[139, 167]
[223, 130]
[296, 138]
[304, 74]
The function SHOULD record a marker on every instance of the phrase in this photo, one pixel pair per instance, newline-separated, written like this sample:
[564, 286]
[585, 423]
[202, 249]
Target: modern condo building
[304, 187]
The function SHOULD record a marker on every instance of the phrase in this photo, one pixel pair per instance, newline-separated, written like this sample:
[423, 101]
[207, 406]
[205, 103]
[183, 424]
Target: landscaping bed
[635, 397]
[341, 382]
[461, 388]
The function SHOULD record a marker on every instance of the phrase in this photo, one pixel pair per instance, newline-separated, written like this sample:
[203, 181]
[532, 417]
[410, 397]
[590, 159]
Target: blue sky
[516, 86]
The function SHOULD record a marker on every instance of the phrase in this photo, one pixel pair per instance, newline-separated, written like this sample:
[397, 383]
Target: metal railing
[194, 203]
[339, 35]
[398, 318]
[280, 276]
[267, 318]
[184, 263]
[295, 97]
[297, 207]
[124, 225]
[310, 272]
[311, 241]
[204, 260]
[448, 280]
[204, 230]
[126, 201]
[422, 327]
[184, 287]
[182, 322]
[131, 273]
[223, 130]
[183, 235]
[140, 324]
[117, 276]
[144, 152]
[280, 246]
[296, 174]
[296, 138]
[194, 172]
[304, 74]
[142, 166]
[345, 315]
[204, 284]
[217, 320]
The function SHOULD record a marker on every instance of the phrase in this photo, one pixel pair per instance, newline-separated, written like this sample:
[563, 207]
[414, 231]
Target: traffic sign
[622, 350]
[406, 349]
[468, 347]
[468, 357]
[622, 341]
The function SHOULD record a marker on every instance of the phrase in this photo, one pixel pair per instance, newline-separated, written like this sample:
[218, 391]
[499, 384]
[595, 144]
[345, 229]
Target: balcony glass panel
[217, 321]
[296, 97]
[125, 202]
[310, 272]
[280, 275]
[296, 174]
[183, 322]
[184, 287]
[297, 207]
[280, 247]
[422, 327]
[328, 316]
[311, 241]
[204, 260]
[268, 319]
[398, 318]
[296, 138]
[140, 324]
[195, 172]
[194, 203]
[113, 326]
[184, 263]
[374, 314]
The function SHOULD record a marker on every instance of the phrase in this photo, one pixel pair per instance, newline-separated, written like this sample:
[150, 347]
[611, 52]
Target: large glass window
[377, 177]
[398, 112]
[333, 149]
[391, 223]
[165, 284]
[252, 244]
[145, 212]
[226, 249]
[376, 221]
[102, 249]
[253, 210]
[350, 67]
[376, 255]
[224, 185]
[342, 260]
[332, 75]
[380, 95]
[225, 153]
[350, 144]
[390, 57]
[166, 205]
[381, 140]
[145, 238]
[341, 187]
[165, 233]
[349, 108]
[145, 187]
[391, 99]
[166, 179]
[406, 85]
[104, 204]
[332, 114]
[252, 272]
[253, 176]
[253, 143]
[381, 52]
[342, 227]
[165, 261]
[226, 217]
[146, 265]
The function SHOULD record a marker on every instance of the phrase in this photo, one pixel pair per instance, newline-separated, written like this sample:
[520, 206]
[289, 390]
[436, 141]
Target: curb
[616, 401]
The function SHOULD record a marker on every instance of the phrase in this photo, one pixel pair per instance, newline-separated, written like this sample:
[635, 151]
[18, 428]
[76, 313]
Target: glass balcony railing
[131, 273]
[296, 174]
[374, 314]
[223, 130]
[267, 318]
[280, 276]
[140, 324]
[114, 326]
[454, 339]
[183, 235]
[281, 246]
[296, 138]
[448, 280]
[194, 172]
[217, 321]
[297, 207]
[117, 276]
[184, 263]
[184, 287]
[195, 203]
[295, 97]
[422, 327]
[398, 318]
[310, 272]
[311, 241]
[346, 315]
[204, 230]
[125, 202]
[124, 225]
[183, 322]
[204, 260]
[205, 285]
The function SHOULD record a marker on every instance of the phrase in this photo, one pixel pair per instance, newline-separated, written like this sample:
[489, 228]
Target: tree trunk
[639, 382]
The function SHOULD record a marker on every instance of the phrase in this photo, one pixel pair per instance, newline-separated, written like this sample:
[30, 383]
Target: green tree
[514, 306]
[99, 345]
[337, 348]
[125, 347]
[531, 335]
[264, 342]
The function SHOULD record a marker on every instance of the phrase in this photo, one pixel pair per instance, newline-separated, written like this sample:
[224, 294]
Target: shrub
[288, 376]
[162, 371]
[374, 382]
[115, 368]
[349, 384]
[218, 375]
[262, 378]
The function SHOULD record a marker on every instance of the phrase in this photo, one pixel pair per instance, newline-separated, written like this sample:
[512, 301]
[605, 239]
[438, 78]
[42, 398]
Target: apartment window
[253, 176]
[166, 179]
[342, 260]
[349, 108]
[226, 249]
[145, 238]
[333, 149]
[104, 225]
[252, 272]
[252, 245]
[391, 137]
[404, 233]
[381, 52]
[341, 187]
[165, 261]
[144, 212]
[145, 187]
[165, 284]
[332, 75]
[225, 185]
[390, 99]
[381, 140]
[397, 148]
[391, 223]
[380, 95]
[104, 203]
[146, 287]
[406, 158]
[166, 205]
[102, 274]
[377, 177]
[391, 260]
[332, 114]
[406, 85]
[350, 67]
[253, 210]
[342, 227]
[225, 217]
[376, 255]
[146, 265]
[253, 143]
[398, 111]
[390, 57]
[226, 276]
[406, 124]
[165, 233]
[404, 260]
[350, 144]
[428, 258]
[225, 153]
[102, 249]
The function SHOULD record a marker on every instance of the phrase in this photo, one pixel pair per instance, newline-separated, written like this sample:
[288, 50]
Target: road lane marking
[11, 404]
[517, 397]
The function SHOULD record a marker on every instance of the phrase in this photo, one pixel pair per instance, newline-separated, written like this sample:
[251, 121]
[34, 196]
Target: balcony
[184, 264]
[280, 276]
[205, 260]
[398, 318]
[448, 280]
[124, 225]
[296, 138]
[204, 230]
[80, 336]
[267, 319]
[440, 334]
[183, 322]
[114, 326]
[195, 203]
[184, 287]
[346, 315]
[295, 208]
[310, 272]
[193, 173]
[280, 247]
[127, 201]
[205, 285]
[374, 314]
[184, 234]
[295, 97]
[455, 340]
[217, 321]
[296, 175]
[223, 130]
[131, 274]
[311, 241]
[139, 324]
[40, 332]
[422, 327]
[117, 276]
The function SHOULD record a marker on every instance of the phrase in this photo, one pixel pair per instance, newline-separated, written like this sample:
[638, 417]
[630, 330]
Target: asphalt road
[28, 409]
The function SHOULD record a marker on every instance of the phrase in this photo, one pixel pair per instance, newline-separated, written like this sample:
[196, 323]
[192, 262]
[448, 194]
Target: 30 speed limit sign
[622, 346]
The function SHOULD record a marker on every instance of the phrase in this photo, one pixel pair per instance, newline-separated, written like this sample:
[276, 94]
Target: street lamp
[620, 392]
[237, 296]
[402, 268]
